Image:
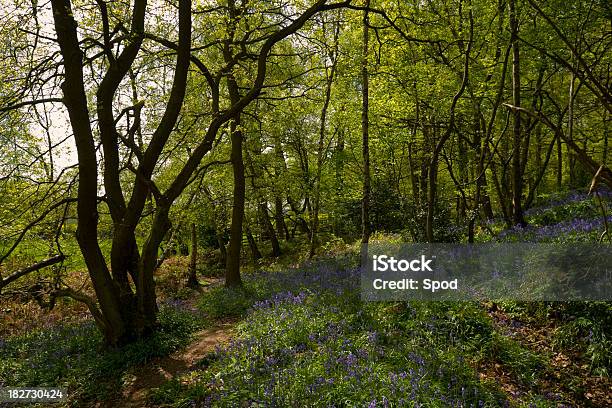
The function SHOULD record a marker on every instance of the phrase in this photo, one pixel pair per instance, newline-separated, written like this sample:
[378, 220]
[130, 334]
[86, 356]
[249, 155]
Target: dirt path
[568, 375]
[155, 373]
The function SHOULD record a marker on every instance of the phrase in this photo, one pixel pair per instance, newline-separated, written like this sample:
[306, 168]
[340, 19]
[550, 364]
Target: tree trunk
[559, 165]
[112, 324]
[412, 168]
[218, 234]
[255, 253]
[232, 269]
[192, 281]
[281, 227]
[321, 145]
[571, 159]
[432, 188]
[517, 179]
[365, 132]
[169, 245]
[604, 153]
[482, 183]
[265, 219]
[541, 171]
[222, 250]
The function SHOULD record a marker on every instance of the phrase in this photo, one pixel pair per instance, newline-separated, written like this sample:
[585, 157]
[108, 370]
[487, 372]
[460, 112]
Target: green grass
[524, 364]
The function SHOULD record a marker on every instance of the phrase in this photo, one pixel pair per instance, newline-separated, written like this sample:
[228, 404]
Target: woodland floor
[153, 374]
[568, 372]
[141, 379]
[567, 375]
[565, 371]
[564, 375]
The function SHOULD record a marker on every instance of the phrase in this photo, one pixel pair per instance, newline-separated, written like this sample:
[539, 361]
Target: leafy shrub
[587, 327]
[444, 229]
[388, 210]
[228, 302]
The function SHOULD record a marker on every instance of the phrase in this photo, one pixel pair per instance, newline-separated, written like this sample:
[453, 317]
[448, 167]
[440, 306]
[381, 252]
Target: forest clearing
[206, 203]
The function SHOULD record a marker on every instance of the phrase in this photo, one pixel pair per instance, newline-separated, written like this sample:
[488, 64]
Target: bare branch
[603, 171]
[39, 265]
[29, 103]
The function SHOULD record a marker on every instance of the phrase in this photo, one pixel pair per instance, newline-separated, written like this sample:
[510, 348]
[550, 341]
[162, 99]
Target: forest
[188, 190]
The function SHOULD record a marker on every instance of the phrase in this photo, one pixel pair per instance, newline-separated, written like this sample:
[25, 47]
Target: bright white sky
[51, 116]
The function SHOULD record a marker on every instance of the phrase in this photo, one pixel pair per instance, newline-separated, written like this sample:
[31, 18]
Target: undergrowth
[73, 356]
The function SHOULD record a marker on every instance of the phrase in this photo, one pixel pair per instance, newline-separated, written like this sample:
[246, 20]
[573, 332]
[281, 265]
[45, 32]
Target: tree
[365, 131]
[330, 73]
[517, 176]
[124, 312]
